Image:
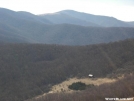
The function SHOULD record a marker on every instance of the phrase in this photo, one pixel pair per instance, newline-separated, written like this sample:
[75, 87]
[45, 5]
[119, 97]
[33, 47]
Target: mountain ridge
[59, 18]
[101, 20]
[25, 27]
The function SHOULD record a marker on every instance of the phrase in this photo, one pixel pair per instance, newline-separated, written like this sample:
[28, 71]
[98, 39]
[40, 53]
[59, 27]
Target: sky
[120, 9]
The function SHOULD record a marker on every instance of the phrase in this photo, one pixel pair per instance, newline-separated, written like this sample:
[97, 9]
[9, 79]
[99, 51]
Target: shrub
[77, 86]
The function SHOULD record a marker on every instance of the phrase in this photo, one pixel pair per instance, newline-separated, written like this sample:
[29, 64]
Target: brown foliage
[28, 70]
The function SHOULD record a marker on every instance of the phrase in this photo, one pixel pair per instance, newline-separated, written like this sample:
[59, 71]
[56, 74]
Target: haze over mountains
[65, 27]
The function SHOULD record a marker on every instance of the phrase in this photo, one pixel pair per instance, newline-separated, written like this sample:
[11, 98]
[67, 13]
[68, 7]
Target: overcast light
[121, 9]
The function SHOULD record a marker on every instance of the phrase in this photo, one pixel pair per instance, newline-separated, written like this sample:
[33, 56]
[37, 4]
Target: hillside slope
[29, 32]
[28, 70]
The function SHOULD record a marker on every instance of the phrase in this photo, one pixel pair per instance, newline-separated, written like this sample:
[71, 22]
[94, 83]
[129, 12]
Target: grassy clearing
[63, 87]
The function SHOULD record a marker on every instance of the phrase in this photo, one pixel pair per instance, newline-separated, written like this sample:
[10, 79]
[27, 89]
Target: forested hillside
[27, 70]
[64, 34]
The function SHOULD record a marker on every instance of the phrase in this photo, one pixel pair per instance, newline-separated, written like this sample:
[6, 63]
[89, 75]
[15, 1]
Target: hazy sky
[121, 9]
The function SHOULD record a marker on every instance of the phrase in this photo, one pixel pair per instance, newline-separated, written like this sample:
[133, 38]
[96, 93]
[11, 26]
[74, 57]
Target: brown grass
[63, 87]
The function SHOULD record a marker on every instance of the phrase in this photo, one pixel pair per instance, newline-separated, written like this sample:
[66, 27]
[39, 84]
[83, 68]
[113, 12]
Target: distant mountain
[131, 23]
[16, 25]
[104, 21]
[31, 17]
[7, 36]
[78, 35]
[12, 16]
[61, 18]
[24, 27]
